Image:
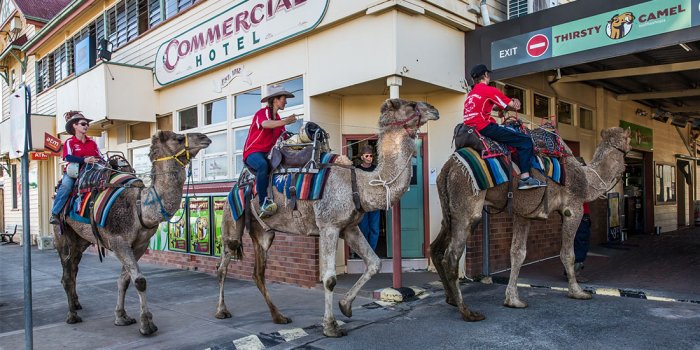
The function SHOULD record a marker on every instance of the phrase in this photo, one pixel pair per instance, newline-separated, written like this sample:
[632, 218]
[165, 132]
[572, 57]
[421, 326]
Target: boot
[54, 220]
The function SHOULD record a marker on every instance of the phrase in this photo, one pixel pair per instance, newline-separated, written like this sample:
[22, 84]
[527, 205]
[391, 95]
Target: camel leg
[129, 259]
[70, 249]
[521, 228]
[437, 254]
[569, 228]
[329, 246]
[462, 228]
[358, 243]
[120, 316]
[231, 246]
[221, 309]
[262, 240]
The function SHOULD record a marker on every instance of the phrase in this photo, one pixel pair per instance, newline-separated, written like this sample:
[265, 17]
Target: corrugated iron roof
[42, 9]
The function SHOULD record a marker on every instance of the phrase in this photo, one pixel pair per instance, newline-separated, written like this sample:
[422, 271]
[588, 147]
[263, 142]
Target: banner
[614, 227]
[159, 241]
[177, 230]
[200, 228]
[642, 138]
[219, 203]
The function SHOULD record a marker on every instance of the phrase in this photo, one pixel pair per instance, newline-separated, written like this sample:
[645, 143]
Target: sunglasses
[368, 155]
[83, 124]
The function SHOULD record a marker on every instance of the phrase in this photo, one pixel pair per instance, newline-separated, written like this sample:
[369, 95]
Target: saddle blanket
[103, 201]
[491, 172]
[309, 186]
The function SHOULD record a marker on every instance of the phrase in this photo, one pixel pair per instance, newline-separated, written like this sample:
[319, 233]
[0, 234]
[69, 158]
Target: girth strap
[140, 214]
[98, 239]
[509, 202]
[355, 191]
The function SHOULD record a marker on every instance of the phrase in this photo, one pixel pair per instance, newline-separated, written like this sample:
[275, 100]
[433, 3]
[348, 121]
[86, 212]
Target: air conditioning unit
[15, 25]
[517, 8]
[46, 243]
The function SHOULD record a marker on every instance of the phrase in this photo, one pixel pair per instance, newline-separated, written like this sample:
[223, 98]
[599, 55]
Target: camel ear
[163, 136]
[604, 133]
[391, 104]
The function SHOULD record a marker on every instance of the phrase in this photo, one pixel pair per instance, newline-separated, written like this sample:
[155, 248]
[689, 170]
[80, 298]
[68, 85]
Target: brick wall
[292, 259]
[544, 240]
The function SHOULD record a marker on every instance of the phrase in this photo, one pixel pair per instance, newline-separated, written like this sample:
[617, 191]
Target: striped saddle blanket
[490, 172]
[309, 186]
[103, 201]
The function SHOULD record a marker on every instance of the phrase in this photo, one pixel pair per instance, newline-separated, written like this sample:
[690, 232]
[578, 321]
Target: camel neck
[393, 171]
[606, 167]
[168, 179]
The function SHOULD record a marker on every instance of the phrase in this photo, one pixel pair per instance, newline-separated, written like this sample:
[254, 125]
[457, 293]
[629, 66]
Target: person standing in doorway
[266, 128]
[369, 225]
[582, 243]
[79, 149]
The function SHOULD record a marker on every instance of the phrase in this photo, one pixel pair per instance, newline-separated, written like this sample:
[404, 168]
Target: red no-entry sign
[537, 45]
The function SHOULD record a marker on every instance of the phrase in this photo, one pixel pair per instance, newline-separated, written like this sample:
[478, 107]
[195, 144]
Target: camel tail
[442, 239]
[237, 250]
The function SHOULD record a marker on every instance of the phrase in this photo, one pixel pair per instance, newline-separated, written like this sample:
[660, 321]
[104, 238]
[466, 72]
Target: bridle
[404, 123]
[185, 150]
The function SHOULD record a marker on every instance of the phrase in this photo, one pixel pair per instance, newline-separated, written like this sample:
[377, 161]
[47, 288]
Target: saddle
[97, 177]
[293, 155]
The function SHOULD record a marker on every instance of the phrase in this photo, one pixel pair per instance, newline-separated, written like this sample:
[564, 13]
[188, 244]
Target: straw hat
[73, 117]
[274, 91]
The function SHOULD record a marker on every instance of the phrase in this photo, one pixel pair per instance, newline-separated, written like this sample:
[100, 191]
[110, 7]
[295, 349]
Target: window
[514, 92]
[665, 183]
[141, 162]
[239, 137]
[15, 186]
[188, 118]
[215, 158]
[165, 122]
[154, 13]
[585, 118]
[140, 131]
[247, 103]
[172, 7]
[541, 109]
[7, 8]
[215, 112]
[564, 113]
[121, 135]
[296, 87]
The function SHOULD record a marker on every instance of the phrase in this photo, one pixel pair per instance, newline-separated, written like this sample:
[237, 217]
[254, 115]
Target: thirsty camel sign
[248, 26]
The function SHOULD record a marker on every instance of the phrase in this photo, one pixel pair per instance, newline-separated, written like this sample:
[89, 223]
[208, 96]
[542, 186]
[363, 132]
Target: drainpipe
[485, 13]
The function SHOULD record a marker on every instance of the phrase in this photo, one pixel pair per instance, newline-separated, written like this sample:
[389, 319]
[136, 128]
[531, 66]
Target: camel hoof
[580, 295]
[73, 318]
[473, 316]
[450, 301]
[148, 328]
[281, 319]
[345, 308]
[334, 331]
[222, 314]
[77, 305]
[516, 304]
[124, 321]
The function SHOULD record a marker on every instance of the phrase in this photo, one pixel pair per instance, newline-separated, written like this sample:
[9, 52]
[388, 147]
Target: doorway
[684, 185]
[634, 190]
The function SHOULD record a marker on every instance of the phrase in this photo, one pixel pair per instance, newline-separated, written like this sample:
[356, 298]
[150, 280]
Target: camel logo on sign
[619, 25]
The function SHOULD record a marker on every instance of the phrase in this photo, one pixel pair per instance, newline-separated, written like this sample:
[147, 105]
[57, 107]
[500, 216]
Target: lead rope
[379, 182]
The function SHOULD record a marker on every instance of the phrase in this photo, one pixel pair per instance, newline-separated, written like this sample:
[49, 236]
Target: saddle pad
[308, 186]
[236, 200]
[491, 172]
[77, 210]
[546, 141]
[105, 199]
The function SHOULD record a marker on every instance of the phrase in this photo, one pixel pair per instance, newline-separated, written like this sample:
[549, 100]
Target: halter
[406, 121]
[175, 156]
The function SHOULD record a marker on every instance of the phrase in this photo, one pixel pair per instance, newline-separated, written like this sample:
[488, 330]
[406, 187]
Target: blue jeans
[261, 168]
[582, 241]
[62, 194]
[521, 142]
[369, 225]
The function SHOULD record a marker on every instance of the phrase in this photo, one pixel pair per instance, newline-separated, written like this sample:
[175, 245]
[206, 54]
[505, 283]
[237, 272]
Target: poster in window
[614, 228]
[177, 230]
[200, 228]
[159, 241]
[665, 183]
[218, 203]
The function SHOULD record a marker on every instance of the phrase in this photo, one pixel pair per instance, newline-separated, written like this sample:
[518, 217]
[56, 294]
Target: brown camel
[335, 215]
[125, 233]
[462, 210]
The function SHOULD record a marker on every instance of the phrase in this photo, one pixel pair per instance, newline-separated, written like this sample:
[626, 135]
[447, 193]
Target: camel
[462, 211]
[334, 216]
[128, 228]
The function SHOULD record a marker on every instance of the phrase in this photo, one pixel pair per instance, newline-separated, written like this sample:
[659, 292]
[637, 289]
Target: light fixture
[679, 120]
[685, 47]
[640, 112]
[105, 50]
[661, 115]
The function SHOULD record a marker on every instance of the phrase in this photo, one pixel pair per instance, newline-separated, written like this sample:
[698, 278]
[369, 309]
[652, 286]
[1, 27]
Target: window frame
[580, 119]
[571, 112]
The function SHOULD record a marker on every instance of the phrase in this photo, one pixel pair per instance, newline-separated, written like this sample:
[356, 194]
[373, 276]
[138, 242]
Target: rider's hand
[291, 119]
[516, 104]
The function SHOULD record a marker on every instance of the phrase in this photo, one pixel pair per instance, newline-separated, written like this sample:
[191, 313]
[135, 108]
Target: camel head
[169, 145]
[617, 138]
[410, 115]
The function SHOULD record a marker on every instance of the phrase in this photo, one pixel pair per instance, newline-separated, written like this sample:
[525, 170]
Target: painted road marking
[291, 334]
[251, 342]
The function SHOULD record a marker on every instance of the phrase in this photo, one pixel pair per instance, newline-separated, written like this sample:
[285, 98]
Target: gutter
[68, 13]
[485, 13]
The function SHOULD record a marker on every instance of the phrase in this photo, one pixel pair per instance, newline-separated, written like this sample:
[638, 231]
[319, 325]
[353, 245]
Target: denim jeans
[510, 137]
[62, 194]
[582, 241]
[369, 225]
[261, 168]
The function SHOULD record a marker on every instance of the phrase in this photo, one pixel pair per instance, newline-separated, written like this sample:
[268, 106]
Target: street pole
[26, 238]
[394, 83]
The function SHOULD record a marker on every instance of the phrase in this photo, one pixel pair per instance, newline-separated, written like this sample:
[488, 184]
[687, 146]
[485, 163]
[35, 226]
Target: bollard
[657, 230]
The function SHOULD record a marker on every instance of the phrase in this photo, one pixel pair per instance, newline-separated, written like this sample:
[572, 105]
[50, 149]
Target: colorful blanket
[308, 186]
[491, 172]
[103, 201]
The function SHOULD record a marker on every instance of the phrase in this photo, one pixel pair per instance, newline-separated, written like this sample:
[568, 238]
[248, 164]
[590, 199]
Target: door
[412, 220]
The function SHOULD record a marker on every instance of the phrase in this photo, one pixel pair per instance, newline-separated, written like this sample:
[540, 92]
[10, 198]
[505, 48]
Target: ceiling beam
[658, 95]
[627, 72]
[684, 109]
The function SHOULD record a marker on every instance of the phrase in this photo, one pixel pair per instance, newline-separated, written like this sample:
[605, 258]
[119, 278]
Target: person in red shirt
[477, 113]
[266, 128]
[78, 149]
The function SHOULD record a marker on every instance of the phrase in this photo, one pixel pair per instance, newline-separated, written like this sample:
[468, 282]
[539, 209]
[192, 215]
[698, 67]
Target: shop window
[564, 113]
[215, 112]
[239, 137]
[141, 162]
[665, 183]
[177, 230]
[216, 158]
[165, 123]
[541, 109]
[585, 118]
[199, 226]
[247, 103]
[515, 92]
[15, 186]
[140, 131]
[188, 118]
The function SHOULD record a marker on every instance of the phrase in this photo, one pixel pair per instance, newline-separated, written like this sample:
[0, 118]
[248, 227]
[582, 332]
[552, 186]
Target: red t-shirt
[586, 209]
[73, 146]
[480, 102]
[261, 139]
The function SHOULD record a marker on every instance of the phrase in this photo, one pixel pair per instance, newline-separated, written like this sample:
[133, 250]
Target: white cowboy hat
[274, 91]
[73, 117]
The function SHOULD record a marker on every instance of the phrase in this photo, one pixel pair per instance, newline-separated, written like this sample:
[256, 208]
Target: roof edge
[32, 43]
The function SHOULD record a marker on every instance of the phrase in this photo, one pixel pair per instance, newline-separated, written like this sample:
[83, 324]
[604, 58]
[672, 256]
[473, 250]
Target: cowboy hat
[274, 91]
[73, 117]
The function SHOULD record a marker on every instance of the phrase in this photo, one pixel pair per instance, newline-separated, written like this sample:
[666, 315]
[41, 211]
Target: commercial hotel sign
[248, 26]
[625, 24]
